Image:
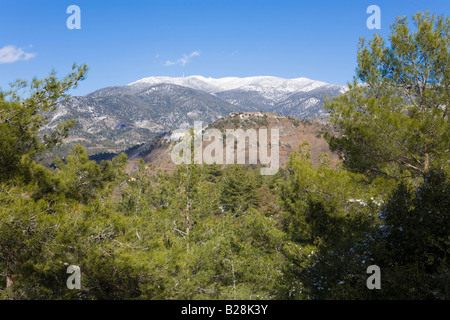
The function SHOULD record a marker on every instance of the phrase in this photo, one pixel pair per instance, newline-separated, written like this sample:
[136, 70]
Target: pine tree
[395, 123]
[240, 189]
[21, 118]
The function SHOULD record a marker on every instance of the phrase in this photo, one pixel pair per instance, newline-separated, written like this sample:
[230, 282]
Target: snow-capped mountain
[299, 97]
[124, 116]
[269, 87]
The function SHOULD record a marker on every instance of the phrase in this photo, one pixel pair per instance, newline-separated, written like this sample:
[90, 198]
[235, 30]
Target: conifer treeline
[213, 232]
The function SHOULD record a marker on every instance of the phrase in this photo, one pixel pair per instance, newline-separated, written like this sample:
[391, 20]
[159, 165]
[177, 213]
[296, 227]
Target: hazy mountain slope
[293, 132]
[116, 118]
[303, 105]
[271, 87]
[301, 97]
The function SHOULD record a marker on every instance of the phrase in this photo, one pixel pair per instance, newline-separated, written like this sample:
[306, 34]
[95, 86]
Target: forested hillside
[292, 133]
[113, 119]
[213, 232]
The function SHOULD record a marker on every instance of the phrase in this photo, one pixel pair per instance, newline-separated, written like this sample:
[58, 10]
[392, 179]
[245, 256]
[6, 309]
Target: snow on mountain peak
[266, 85]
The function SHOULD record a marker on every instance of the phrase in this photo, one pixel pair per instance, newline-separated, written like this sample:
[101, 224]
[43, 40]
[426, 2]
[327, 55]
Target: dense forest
[227, 232]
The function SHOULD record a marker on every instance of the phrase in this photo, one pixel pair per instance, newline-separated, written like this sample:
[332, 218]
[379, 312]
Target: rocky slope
[293, 132]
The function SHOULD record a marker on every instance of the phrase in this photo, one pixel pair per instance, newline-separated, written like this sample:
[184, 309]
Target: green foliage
[199, 250]
[414, 244]
[395, 124]
[21, 118]
[410, 245]
[316, 199]
[324, 210]
[239, 189]
[209, 232]
[39, 239]
[80, 178]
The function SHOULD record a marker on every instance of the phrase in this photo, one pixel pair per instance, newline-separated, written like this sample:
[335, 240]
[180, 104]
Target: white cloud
[10, 54]
[183, 60]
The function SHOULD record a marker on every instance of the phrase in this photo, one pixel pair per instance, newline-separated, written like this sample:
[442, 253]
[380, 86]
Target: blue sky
[123, 41]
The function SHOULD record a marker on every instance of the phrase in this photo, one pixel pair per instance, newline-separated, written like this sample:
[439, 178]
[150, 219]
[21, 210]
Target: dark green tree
[239, 189]
[412, 247]
[395, 123]
[21, 118]
[325, 212]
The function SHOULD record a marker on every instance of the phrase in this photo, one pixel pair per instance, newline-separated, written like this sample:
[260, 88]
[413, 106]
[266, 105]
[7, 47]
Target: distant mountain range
[117, 118]
[301, 97]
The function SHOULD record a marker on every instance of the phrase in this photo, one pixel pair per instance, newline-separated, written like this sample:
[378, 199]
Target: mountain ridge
[292, 133]
[117, 118]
